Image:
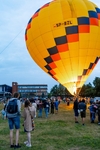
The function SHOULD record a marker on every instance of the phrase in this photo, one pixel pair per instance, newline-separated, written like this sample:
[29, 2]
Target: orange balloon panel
[63, 38]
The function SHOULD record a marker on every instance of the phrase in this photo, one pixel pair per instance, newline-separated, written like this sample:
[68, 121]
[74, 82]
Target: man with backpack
[13, 108]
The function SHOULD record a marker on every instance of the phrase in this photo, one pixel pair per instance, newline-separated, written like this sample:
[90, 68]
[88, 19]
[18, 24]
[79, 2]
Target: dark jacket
[82, 106]
[75, 106]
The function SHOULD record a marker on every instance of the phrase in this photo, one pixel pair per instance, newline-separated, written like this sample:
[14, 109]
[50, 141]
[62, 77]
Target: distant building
[5, 91]
[25, 90]
[14, 87]
[30, 90]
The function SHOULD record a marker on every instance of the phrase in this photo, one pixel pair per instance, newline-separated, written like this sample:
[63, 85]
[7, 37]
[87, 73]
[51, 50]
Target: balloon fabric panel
[63, 39]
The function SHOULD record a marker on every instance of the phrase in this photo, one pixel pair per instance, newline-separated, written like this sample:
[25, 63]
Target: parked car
[96, 98]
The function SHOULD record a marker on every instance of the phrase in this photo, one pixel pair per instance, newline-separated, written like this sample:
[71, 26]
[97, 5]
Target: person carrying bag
[28, 115]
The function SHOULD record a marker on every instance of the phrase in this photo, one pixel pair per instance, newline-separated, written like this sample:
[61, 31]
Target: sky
[16, 64]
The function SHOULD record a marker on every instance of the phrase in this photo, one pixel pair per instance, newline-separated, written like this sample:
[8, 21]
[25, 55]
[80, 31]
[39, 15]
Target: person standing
[28, 115]
[75, 107]
[35, 105]
[92, 108]
[56, 104]
[13, 109]
[91, 101]
[82, 109]
[40, 109]
[98, 112]
[48, 100]
[46, 105]
[52, 106]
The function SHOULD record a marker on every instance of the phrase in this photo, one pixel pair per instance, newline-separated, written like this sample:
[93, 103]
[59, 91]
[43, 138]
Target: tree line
[87, 90]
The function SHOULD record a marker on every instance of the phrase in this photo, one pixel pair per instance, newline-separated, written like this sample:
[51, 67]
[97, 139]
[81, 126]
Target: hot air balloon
[63, 38]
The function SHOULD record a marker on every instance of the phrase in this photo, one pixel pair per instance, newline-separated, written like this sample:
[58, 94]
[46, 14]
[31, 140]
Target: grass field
[58, 132]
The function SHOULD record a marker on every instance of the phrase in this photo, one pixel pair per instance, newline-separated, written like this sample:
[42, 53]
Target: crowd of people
[32, 109]
[48, 106]
[42, 108]
[81, 105]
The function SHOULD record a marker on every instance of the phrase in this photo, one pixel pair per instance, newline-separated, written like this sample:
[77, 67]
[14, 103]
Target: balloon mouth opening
[73, 87]
[77, 91]
[74, 90]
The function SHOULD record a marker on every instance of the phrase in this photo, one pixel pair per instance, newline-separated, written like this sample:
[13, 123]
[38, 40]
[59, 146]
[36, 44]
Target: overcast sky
[16, 65]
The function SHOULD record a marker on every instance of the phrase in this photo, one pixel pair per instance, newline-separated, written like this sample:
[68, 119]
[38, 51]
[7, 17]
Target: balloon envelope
[63, 38]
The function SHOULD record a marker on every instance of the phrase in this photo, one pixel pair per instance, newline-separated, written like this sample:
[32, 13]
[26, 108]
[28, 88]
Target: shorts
[56, 108]
[76, 112]
[83, 114]
[14, 122]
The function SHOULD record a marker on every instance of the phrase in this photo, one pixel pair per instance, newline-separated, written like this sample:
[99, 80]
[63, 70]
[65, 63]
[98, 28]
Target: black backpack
[12, 106]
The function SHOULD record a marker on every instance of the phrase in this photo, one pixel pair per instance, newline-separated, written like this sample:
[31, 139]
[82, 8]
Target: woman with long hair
[28, 114]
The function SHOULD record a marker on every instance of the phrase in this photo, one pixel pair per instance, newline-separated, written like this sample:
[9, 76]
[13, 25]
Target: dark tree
[96, 84]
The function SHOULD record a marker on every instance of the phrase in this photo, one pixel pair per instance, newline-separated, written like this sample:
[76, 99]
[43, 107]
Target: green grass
[58, 132]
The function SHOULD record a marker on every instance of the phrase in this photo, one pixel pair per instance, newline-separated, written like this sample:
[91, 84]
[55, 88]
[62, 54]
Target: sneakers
[26, 142]
[17, 146]
[28, 145]
[76, 122]
[92, 121]
[12, 146]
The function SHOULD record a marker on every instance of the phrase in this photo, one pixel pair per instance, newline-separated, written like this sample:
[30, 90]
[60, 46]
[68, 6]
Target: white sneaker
[28, 145]
[26, 142]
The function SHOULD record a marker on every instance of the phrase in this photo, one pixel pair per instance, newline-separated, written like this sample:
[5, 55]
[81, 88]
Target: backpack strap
[30, 113]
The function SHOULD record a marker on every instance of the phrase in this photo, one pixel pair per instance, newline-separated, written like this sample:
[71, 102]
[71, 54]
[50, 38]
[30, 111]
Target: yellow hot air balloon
[63, 38]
